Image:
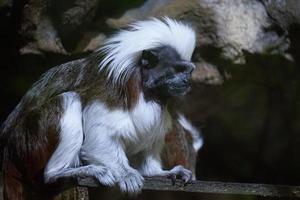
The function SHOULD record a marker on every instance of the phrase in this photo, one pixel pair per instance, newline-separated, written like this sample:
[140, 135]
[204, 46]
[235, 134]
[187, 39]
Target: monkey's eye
[180, 68]
[145, 63]
[149, 59]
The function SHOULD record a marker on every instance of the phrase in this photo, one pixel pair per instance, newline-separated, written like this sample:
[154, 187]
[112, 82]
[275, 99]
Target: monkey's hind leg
[65, 162]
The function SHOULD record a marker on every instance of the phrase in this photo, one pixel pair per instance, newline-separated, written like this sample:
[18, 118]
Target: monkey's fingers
[181, 173]
[131, 184]
[172, 176]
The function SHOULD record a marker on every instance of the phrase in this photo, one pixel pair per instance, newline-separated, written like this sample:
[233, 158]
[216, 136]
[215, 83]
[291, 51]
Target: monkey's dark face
[164, 73]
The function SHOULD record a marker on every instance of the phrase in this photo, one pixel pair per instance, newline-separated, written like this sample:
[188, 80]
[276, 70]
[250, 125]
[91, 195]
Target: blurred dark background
[246, 94]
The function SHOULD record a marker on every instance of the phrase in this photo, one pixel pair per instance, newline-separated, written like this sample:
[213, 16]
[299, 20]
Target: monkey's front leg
[179, 172]
[108, 151]
[152, 167]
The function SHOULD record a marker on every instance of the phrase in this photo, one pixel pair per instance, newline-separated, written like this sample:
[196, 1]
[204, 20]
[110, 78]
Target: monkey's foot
[131, 183]
[179, 172]
[102, 174]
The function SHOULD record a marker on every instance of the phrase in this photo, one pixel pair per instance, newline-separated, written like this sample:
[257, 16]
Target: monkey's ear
[149, 59]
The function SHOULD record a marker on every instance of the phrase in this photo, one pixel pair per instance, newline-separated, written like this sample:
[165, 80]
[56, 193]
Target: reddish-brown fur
[133, 90]
[23, 179]
[24, 172]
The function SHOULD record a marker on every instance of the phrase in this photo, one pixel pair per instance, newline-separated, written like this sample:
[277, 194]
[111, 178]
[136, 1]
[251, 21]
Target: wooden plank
[163, 184]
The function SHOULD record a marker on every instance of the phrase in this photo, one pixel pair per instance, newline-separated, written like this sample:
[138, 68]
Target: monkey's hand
[103, 175]
[131, 183]
[179, 172]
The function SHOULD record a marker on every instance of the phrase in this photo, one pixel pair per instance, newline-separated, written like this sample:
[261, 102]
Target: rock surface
[231, 26]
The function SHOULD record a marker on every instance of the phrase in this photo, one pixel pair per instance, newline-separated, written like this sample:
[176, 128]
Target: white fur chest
[139, 127]
[148, 117]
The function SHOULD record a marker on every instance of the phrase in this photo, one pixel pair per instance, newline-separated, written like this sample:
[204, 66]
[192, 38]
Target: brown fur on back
[24, 173]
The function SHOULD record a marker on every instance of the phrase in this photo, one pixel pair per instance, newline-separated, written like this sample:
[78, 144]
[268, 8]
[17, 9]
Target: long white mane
[123, 50]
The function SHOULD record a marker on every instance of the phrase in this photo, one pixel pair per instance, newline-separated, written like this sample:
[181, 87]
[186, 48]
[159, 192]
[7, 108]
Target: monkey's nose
[191, 67]
[185, 67]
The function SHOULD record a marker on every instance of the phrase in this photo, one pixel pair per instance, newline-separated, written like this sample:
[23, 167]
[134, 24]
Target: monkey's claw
[132, 183]
[179, 172]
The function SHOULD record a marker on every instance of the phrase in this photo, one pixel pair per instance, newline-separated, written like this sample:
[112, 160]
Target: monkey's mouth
[180, 89]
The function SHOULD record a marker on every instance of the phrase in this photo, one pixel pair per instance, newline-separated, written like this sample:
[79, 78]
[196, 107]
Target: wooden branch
[163, 184]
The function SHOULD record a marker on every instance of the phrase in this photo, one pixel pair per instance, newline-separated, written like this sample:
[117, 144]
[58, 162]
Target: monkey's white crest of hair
[123, 49]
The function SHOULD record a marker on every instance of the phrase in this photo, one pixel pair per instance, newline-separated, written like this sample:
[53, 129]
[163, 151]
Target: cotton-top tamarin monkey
[104, 116]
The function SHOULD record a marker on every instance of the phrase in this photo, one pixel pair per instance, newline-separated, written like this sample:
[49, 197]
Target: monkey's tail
[190, 128]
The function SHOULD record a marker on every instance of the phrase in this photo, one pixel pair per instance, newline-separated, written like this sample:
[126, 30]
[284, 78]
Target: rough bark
[163, 184]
